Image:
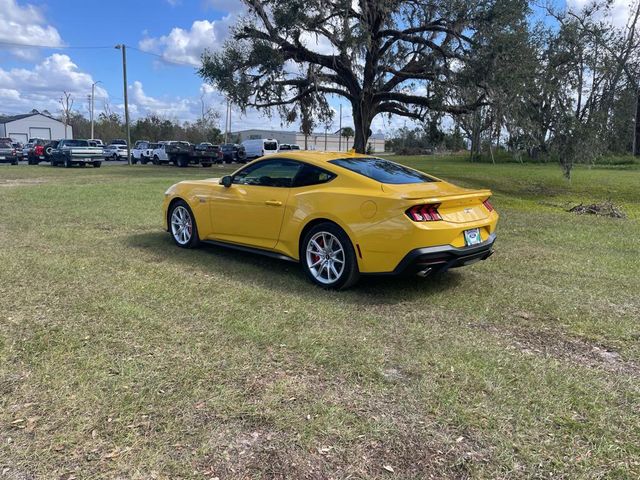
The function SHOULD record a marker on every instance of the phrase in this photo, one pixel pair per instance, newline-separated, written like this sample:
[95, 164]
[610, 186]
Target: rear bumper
[429, 260]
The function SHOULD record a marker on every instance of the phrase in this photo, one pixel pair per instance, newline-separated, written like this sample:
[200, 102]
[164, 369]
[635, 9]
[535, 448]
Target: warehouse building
[22, 128]
[331, 142]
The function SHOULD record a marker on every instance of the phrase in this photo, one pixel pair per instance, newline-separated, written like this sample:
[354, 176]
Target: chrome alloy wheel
[181, 225]
[325, 257]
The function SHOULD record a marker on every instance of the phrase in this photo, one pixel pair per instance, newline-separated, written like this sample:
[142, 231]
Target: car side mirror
[226, 181]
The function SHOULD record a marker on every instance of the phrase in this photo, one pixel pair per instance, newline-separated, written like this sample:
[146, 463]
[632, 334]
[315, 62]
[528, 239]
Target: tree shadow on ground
[287, 277]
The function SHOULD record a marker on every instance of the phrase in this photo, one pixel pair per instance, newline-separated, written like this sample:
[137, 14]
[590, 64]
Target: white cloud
[189, 108]
[41, 87]
[25, 25]
[186, 46]
[618, 13]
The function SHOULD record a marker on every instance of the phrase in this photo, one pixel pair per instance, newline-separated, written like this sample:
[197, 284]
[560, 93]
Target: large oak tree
[396, 57]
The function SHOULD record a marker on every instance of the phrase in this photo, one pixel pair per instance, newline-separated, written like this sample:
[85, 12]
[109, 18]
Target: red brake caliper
[315, 256]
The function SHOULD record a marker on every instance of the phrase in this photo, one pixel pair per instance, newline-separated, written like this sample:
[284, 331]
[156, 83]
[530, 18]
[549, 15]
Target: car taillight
[488, 205]
[424, 213]
[39, 150]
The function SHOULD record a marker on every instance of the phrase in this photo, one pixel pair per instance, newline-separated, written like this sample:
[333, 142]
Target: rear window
[383, 171]
[271, 145]
[76, 143]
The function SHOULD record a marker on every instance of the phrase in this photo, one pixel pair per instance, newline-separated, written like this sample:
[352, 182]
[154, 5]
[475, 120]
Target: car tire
[328, 258]
[97, 164]
[143, 160]
[182, 162]
[206, 165]
[67, 163]
[14, 162]
[156, 160]
[134, 160]
[182, 225]
[115, 157]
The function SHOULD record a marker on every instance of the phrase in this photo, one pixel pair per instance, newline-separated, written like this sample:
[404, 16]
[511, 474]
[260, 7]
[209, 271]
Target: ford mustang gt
[340, 215]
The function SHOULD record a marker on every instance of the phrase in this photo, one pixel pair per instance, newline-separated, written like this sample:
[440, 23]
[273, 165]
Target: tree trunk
[362, 124]
[475, 135]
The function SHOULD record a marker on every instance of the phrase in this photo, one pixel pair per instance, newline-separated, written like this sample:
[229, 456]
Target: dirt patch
[550, 343]
[24, 182]
[605, 209]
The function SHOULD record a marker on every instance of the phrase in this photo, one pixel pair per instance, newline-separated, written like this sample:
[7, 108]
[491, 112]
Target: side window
[310, 175]
[270, 173]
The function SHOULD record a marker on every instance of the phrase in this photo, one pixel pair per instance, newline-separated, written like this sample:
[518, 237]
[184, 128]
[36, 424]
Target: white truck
[258, 147]
[183, 154]
[139, 152]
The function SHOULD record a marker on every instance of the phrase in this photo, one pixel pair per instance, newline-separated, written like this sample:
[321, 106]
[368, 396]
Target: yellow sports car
[341, 215]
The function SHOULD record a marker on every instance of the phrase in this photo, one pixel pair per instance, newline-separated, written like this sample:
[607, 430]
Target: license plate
[472, 237]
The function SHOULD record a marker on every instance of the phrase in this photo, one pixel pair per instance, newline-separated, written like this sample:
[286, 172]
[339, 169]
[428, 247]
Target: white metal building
[23, 128]
[316, 141]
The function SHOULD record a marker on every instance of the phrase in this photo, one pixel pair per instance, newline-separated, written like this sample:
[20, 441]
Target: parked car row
[179, 153]
[182, 153]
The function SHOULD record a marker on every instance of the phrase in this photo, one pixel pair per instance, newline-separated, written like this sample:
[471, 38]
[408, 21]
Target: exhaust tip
[424, 273]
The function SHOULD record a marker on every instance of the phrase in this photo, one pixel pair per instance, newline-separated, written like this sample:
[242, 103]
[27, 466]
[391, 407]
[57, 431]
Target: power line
[96, 47]
[57, 47]
[163, 58]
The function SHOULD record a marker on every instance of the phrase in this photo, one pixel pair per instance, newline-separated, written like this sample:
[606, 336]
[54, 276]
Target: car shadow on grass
[283, 276]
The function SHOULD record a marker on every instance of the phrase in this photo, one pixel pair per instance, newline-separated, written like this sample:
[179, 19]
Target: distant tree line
[109, 126]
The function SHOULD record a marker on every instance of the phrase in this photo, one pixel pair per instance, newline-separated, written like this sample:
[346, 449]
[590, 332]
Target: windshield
[76, 143]
[271, 145]
[383, 171]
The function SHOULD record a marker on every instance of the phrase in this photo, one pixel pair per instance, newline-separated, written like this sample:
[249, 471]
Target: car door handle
[273, 203]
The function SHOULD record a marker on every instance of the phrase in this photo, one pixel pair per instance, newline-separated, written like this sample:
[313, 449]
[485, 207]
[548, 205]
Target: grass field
[122, 356]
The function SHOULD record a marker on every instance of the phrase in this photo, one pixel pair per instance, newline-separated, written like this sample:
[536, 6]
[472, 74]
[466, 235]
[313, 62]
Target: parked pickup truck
[8, 153]
[76, 152]
[34, 151]
[183, 154]
[138, 153]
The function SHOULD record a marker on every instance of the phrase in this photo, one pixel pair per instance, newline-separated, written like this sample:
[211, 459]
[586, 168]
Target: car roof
[316, 157]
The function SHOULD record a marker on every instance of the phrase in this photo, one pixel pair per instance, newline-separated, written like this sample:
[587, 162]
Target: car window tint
[76, 143]
[310, 175]
[270, 145]
[273, 173]
[383, 171]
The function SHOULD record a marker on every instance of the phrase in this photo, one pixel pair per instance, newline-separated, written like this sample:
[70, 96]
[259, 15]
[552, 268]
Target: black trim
[441, 258]
[256, 250]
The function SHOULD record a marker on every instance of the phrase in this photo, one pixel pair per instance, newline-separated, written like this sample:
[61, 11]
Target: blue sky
[174, 32]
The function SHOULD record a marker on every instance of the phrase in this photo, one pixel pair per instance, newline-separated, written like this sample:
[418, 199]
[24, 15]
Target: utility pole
[123, 47]
[230, 112]
[340, 131]
[226, 122]
[93, 102]
[325, 137]
[636, 130]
